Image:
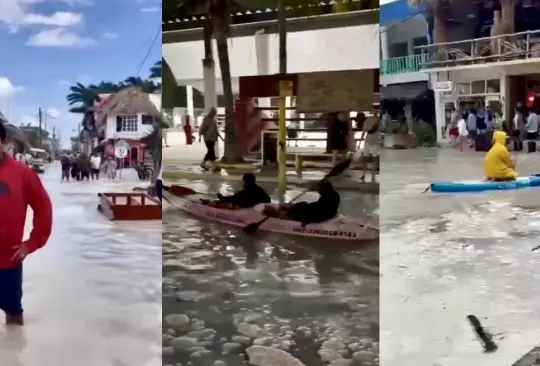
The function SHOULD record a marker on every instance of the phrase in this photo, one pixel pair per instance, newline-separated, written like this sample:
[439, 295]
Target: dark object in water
[485, 337]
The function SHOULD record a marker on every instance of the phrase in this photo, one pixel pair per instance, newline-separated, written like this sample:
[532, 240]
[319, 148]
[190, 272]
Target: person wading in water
[210, 133]
[20, 187]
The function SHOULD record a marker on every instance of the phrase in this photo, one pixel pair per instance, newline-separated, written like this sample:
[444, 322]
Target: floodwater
[444, 257]
[93, 293]
[224, 291]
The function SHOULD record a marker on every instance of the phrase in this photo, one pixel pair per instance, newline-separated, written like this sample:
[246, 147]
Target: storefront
[484, 93]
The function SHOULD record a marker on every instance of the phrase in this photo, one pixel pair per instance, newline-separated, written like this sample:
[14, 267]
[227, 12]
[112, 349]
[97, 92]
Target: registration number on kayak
[336, 233]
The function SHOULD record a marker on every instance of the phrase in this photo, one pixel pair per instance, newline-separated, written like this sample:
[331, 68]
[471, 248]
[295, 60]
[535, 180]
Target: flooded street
[93, 293]
[224, 291]
[447, 256]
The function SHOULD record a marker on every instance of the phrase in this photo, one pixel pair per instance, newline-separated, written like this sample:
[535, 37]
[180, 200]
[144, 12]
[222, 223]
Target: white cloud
[27, 119]
[110, 35]
[14, 12]
[61, 38]
[152, 9]
[7, 89]
[59, 19]
[53, 112]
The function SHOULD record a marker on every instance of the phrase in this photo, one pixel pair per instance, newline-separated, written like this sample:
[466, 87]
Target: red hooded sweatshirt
[20, 187]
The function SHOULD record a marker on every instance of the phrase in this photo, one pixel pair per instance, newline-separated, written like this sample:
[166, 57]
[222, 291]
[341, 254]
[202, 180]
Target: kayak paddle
[334, 172]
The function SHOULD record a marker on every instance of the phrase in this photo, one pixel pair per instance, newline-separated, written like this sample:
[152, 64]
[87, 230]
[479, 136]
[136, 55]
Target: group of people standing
[470, 126]
[83, 167]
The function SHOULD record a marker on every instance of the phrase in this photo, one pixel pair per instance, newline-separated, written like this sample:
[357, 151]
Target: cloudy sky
[47, 45]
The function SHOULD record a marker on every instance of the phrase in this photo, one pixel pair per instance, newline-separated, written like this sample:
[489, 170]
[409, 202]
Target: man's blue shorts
[11, 290]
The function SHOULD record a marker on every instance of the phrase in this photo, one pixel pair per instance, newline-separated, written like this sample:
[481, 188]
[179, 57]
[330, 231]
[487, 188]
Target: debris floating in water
[482, 334]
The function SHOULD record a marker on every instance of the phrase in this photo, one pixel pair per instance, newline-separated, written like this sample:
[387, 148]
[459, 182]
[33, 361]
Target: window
[127, 123]
[400, 49]
[147, 119]
[417, 42]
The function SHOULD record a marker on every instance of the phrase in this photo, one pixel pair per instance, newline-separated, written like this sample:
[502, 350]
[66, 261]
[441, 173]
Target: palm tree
[147, 86]
[82, 97]
[155, 70]
[435, 7]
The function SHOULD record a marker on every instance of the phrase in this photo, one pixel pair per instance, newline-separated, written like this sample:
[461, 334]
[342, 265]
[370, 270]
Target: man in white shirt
[95, 165]
[531, 127]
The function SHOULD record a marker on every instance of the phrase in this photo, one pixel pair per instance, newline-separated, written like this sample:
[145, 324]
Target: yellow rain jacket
[498, 163]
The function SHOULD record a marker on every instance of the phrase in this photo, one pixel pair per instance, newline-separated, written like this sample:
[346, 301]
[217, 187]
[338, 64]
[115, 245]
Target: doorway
[134, 157]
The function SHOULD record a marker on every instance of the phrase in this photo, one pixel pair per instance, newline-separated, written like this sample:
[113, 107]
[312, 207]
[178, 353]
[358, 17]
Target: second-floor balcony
[507, 47]
[399, 65]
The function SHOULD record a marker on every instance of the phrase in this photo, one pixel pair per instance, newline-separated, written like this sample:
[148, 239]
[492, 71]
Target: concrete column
[190, 107]
[384, 43]
[505, 98]
[209, 82]
[262, 56]
[440, 119]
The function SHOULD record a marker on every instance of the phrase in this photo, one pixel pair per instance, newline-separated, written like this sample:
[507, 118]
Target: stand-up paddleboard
[480, 186]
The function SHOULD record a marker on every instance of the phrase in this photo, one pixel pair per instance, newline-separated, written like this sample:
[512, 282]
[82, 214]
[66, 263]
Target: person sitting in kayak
[251, 195]
[498, 163]
[324, 209]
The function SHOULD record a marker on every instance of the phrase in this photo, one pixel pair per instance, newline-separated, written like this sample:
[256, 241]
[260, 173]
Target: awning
[405, 91]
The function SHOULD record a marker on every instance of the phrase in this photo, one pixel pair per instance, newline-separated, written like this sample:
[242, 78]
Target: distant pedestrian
[187, 130]
[95, 162]
[210, 133]
[65, 163]
[20, 187]
[111, 168]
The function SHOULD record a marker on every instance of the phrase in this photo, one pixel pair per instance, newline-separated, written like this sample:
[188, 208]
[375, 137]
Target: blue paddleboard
[480, 186]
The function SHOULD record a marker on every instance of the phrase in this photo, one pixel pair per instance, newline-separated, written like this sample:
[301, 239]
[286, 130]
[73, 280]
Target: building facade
[402, 31]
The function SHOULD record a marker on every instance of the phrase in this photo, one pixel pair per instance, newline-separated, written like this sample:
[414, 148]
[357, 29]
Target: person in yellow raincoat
[498, 163]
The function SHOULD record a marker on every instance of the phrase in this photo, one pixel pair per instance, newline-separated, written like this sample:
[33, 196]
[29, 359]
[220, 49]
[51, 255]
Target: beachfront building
[485, 56]
[328, 42]
[128, 115]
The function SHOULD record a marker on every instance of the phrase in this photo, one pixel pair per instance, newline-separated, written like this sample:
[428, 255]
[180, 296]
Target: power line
[149, 50]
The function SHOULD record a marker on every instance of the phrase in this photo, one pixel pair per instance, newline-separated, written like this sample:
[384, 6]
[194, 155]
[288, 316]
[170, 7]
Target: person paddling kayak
[251, 195]
[324, 209]
[20, 187]
[498, 163]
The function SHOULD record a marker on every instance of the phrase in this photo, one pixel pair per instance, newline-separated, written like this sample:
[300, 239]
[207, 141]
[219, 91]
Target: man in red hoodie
[20, 187]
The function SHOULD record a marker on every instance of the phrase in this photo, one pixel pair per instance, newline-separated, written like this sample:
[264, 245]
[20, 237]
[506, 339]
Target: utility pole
[53, 144]
[40, 119]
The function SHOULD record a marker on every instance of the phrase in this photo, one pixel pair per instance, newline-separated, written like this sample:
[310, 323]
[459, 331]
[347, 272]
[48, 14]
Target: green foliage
[397, 128]
[425, 133]
[81, 97]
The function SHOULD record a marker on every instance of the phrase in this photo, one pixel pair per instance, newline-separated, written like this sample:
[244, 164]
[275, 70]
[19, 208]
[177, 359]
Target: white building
[402, 30]
[477, 67]
[131, 126]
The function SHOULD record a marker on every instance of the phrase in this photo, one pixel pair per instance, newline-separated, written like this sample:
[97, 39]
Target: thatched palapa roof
[128, 101]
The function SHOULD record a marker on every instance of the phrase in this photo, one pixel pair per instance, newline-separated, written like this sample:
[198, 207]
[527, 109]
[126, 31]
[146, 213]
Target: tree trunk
[438, 24]
[230, 155]
[508, 17]
[439, 31]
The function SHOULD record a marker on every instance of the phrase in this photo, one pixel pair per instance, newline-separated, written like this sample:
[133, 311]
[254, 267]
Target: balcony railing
[508, 47]
[397, 65]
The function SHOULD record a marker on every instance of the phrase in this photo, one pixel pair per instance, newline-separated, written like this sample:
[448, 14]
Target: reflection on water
[93, 294]
[224, 291]
[447, 256]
